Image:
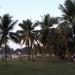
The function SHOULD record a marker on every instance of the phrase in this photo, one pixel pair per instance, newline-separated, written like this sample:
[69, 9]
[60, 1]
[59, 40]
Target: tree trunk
[49, 54]
[5, 59]
[29, 52]
[36, 54]
[32, 53]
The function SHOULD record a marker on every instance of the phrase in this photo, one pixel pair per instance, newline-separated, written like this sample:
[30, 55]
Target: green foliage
[6, 27]
[45, 24]
[68, 10]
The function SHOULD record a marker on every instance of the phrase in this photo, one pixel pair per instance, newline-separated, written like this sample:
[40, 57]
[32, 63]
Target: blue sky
[29, 9]
[32, 9]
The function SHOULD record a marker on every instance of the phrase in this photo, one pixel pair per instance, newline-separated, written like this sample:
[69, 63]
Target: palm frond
[63, 9]
[12, 25]
[15, 37]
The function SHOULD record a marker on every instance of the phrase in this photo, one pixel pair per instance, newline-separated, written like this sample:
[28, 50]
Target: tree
[45, 33]
[65, 34]
[68, 10]
[27, 34]
[6, 33]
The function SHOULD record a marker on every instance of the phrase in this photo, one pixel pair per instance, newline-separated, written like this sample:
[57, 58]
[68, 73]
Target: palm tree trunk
[5, 54]
[32, 55]
[36, 54]
[49, 53]
[36, 50]
[29, 52]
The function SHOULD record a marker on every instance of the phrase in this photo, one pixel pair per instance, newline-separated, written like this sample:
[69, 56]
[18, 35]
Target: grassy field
[37, 68]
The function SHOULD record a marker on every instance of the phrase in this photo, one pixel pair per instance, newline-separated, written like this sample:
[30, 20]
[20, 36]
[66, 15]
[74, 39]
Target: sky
[30, 9]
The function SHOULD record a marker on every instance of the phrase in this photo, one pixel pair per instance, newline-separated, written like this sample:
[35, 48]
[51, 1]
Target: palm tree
[45, 34]
[6, 33]
[64, 35]
[68, 10]
[27, 34]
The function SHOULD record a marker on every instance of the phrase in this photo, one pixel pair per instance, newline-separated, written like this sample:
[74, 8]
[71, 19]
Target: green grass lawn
[37, 68]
